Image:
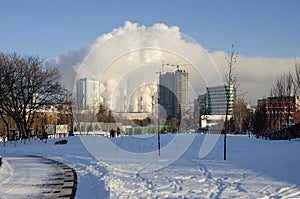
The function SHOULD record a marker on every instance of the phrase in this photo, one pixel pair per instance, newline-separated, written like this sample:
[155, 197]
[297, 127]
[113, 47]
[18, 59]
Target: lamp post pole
[158, 110]
[158, 129]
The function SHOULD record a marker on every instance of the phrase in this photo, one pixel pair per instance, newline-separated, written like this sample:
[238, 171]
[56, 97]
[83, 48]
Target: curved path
[36, 177]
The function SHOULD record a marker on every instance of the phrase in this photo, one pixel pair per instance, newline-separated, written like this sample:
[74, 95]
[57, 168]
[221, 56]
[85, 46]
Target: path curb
[68, 181]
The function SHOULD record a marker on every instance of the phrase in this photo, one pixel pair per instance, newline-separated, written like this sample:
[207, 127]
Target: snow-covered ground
[129, 167]
[33, 177]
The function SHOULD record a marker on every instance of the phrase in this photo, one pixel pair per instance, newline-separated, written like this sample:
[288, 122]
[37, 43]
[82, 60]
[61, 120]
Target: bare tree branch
[25, 87]
[231, 79]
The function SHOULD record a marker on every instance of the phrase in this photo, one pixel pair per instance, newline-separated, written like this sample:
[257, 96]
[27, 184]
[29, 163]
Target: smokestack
[125, 103]
[141, 105]
[153, 105]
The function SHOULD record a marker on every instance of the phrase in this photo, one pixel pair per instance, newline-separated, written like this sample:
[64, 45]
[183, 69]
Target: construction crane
[177, 65]
[162, 67]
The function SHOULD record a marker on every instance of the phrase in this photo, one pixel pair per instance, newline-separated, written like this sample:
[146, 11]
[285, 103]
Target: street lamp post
[158, 110]
[158, 129]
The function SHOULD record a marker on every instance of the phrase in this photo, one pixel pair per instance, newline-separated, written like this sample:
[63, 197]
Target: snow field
[254, 169]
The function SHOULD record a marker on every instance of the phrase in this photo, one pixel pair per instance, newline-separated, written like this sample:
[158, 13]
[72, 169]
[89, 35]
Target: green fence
[146, 129]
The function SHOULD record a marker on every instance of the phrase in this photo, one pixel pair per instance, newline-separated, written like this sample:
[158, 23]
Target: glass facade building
[211, 107]
[217, 97]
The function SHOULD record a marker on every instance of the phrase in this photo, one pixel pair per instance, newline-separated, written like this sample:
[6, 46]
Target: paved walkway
[36, 177]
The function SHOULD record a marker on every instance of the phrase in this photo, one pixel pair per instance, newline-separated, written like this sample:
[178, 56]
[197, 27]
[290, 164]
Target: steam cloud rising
[127, 59]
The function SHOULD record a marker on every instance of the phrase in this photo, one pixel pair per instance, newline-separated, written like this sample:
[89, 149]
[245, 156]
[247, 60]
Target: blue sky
[51, 28]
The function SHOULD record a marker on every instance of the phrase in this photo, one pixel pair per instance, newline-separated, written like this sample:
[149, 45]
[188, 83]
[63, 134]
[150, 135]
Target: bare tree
[289, 93]
[297, 78]
[67, 111]
[230, 77]
[284, 88]
[278, 91]
[260, 121]
[25, 87]
[239, 114]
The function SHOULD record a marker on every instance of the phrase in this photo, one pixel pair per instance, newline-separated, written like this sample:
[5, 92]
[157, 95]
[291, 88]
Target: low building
[280, 111]
[213, 123]
[133, 115]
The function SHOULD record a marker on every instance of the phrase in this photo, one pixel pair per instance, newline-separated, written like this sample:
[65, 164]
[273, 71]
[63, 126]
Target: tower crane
[177, 65]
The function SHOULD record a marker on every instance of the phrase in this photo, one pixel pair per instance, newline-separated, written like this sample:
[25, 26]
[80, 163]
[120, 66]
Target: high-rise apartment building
[88, 94]
[173, 93]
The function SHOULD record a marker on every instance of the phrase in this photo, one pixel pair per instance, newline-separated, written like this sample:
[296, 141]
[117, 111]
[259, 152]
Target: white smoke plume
[126, 62]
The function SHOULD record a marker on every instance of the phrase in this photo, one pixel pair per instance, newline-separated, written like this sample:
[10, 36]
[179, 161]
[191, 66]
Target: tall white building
[173, 93]
[88, 94]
